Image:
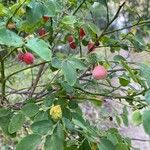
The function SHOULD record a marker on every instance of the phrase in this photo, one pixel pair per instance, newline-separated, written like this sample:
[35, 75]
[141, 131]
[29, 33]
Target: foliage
[51, 117]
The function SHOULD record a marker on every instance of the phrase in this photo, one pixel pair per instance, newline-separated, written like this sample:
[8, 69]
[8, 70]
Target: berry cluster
[72, 44]
[71, 41]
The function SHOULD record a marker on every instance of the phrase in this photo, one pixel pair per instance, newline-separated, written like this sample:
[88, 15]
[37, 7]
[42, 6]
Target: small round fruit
[28, 58]
[99, 72]
[73, 45]
[41, 32]
[70, 38]
[91, 46]
[20, 56]
[81, 33]
[46, 18]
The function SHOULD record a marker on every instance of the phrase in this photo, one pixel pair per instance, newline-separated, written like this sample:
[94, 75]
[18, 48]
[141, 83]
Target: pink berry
[20, 56]
[70, 38]
[73, 45]
[42, 32]
[91, 46]
[81, 33]
[99, 72]
[28, 58]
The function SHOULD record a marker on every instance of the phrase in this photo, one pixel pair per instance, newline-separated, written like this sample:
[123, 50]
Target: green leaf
[118, 58]
[94, 28]
[69, 89]
[103, 2]
[69, 72]
[41, 115]
[40, 47]
[118, 120]
[3, 10]
[4, 112]
[4, 122]
[139, 46]
[136, 117]
[34, 12]
[145, 72]
[68, 124]
[133, 76]
[78, 64]
[147, 96]
[29, 142]
[124, 80]
[79, 124]
[30, 109]
[124, 116]
[48, 101]
[106, 145]
[56, 63]
[50, 8]
[16, 123]
[69, 20]
[112, 137]
[10, 38]
[146, 121]
[85, 146]
[56, 140]
[42, 127]
[121, 147]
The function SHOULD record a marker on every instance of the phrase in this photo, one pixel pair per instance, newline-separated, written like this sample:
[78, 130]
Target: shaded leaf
[69, 72]
[29, 142]
[30, 109]
[42, 127]
[146, 121]
[10, 38]
[16, 123]
[56, 140]
[4, 112]
[68, 20]
[137, 117]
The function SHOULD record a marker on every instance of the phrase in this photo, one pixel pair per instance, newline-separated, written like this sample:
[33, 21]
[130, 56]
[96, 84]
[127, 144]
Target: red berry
[82, 33]
[73, 45]
[42, 32]
[99, 73]
[70, 38]
[91, 46]
[46, 18]
[20, 56]
[28, 58]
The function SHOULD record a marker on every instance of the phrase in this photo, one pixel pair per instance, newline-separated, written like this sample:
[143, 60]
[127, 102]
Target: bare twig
[37, 79]
[33, 66]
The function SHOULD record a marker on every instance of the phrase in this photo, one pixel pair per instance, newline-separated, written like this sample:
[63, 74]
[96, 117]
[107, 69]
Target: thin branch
[37, 80]
[107, 8]
[78, 7]
[114, 18]
[127, 27]
[3, 81]
[142, 140]
[33, 66]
